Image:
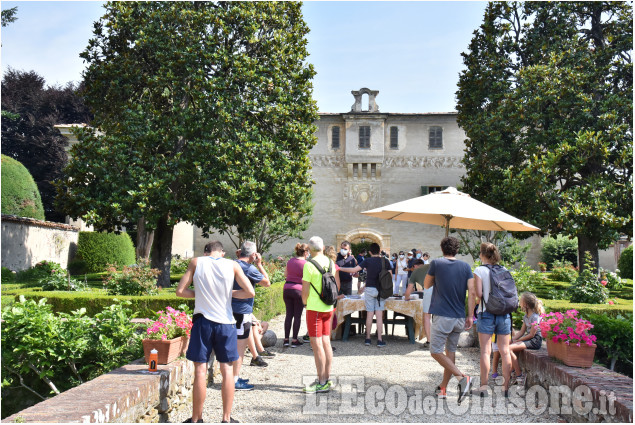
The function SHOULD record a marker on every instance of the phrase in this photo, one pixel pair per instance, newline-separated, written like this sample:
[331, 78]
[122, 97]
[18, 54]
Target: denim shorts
[208, 336]
[371, 301]
[490, 324]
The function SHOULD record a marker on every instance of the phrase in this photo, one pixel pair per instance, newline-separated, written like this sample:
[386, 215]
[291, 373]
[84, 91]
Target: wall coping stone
[40, 223]
[125, 394]
[544, 371]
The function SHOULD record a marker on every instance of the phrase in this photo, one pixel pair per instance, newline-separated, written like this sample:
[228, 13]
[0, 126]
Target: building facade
[364, 159]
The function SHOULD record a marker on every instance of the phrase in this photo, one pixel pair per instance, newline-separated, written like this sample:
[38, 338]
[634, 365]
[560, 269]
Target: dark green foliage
[268, 302]
[357, 247]
[560, 249]
[20, 195]
[29, 112]
[614, 341]
[7, 275]
[45, 353]
[179, 265]
[99, 249]
[37, 272]
[587, 287]
[8, 16]
[212, 126]
[510, 248]
[546, 102]
[77, 266]
[138, 279]
[59, 280]
[563, 271]
[625, 263]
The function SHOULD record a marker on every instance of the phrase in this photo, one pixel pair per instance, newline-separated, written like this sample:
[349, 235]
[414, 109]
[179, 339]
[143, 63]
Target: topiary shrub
[625, 264]
[559, 248]
[587, 288]
[100, 249]
[19, 193]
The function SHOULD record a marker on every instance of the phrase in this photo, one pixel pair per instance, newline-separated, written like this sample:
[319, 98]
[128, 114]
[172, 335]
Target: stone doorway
[365, 234]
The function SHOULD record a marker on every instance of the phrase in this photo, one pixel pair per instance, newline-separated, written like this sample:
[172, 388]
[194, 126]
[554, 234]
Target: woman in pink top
[292, 294]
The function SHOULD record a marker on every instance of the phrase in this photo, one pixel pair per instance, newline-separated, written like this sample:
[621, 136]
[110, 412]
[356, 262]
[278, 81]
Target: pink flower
[604, 282]
[611, 302]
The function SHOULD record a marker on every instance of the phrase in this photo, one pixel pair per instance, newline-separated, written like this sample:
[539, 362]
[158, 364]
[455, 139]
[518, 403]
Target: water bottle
[153, 360]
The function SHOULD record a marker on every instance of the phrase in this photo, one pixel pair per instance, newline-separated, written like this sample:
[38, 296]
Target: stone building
[364, 159]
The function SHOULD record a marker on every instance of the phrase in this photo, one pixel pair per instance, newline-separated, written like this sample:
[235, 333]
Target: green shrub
[77, 266]
[587, 287]
[613, 280]
[527, 280]
[58, 280]
[19, 193]
[614, 340]
[559, 248]
[179, 265]
[625, 263]
[134, 280]
[7, 275]
[98, 250]
[268, 302]
[41, 270]
[563, 271]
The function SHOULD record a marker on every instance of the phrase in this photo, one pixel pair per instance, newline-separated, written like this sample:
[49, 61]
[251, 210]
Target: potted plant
[568, 338]
[542, 266]
[169, 334]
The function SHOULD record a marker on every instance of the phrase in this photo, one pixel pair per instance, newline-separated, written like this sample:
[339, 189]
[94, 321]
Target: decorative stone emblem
[362, 196]
[327, 160]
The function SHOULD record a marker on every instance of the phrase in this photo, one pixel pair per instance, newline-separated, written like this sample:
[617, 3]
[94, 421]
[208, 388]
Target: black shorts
[535, 343]
[243, 327]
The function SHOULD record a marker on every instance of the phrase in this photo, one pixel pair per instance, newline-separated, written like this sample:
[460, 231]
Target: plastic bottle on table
[153, 360]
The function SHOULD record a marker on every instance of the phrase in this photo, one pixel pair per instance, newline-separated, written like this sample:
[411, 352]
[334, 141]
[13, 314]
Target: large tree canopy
[546, 104]
[205, 114]
[29, 112]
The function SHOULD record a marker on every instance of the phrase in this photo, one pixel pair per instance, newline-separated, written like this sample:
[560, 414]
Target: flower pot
[571, 354]
[169, 350]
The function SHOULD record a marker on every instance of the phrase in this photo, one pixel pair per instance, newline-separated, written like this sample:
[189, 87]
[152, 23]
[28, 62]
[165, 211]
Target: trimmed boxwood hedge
[625, 263]
[268, 303]
[98, 249]
[19, 193]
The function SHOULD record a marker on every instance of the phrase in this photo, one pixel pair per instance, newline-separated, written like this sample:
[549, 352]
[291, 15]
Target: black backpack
[384, 283]
[503, 295]
[329, 286]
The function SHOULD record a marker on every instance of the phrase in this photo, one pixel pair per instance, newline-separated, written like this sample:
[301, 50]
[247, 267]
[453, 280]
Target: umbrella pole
[447, 224]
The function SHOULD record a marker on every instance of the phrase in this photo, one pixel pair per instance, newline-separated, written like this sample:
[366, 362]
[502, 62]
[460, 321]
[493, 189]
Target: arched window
[365, 102]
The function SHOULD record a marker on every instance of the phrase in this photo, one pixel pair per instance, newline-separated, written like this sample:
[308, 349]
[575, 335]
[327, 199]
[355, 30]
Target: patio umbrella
[451, 208]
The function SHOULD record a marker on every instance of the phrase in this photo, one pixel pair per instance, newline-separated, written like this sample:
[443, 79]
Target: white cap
[154, 351]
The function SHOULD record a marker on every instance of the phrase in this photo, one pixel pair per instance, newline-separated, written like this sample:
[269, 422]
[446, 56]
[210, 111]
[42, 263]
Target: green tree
[205, 114]
[19, 192]
[8, 16]
[546, 104]
[510, 248]
[267, 231]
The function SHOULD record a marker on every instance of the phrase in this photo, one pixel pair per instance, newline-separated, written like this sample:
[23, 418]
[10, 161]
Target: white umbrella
[451, 208]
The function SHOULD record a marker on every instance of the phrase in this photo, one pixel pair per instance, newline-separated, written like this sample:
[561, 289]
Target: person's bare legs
[486, 349]
[506, 359]
[319, 355]
[496, 357]
[227, 390]
[369, 323]
[328, 357]
[241, 345]
[516, 346]
[380, 323]
[449, 368]
[199, 390]
[252, 344]
[427, 323]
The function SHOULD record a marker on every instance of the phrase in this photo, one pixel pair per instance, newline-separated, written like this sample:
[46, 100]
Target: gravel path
[391, 384]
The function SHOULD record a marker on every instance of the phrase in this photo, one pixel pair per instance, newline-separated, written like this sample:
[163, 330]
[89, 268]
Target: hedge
[625, 263]
[98, 249]
[19, 193]
[268, 303]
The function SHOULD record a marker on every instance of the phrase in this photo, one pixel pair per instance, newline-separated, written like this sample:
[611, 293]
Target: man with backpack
[451, 279]
[378, 287]
[318, 296]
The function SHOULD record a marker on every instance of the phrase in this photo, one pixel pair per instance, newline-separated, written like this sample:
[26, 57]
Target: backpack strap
[321, 270]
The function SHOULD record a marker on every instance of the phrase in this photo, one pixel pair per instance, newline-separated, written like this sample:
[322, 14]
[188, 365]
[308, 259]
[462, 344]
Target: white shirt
[483, 273]
[401, 265]
[213, 284]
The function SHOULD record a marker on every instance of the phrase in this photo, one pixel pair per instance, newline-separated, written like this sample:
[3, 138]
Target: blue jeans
[490, 324]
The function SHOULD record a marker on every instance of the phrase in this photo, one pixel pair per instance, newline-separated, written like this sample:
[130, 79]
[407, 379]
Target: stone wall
[26, 241]
[125, 395]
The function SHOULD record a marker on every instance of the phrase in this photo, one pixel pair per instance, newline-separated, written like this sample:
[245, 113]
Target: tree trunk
[144, 240]
[586, 244]
[162, 251]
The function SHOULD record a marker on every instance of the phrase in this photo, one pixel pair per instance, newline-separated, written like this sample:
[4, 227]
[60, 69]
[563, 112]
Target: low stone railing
[611, 394]
[127, 394]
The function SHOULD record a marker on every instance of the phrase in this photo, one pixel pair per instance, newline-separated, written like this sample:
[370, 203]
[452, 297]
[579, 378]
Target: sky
[409, 51]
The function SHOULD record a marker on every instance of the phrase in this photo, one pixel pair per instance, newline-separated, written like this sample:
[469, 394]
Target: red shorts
[318, 323]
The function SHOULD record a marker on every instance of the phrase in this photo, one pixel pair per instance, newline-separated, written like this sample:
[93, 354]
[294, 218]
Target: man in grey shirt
[451, 279]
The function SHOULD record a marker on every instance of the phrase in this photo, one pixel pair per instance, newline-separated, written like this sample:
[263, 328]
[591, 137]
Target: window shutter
[335, 137]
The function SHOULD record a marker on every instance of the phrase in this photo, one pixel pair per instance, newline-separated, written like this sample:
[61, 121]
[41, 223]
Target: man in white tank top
[214, 325]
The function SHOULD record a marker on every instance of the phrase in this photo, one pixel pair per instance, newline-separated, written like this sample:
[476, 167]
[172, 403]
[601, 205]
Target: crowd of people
[224, 323]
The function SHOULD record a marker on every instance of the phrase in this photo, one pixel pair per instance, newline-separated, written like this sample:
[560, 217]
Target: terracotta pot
[571, 354]
[169, 350]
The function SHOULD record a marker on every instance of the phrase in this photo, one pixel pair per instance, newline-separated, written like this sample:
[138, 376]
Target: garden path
[391, 384]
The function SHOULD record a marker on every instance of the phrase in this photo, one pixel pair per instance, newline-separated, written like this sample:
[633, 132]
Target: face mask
[409, 255]
[418, 255]
[401, 256]
[344, 252]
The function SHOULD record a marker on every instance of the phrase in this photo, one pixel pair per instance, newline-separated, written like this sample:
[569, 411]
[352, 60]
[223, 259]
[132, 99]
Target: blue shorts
[490, 324]
[207, 336]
